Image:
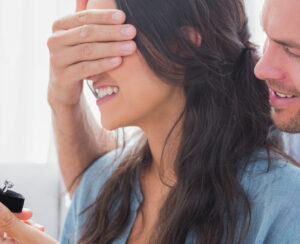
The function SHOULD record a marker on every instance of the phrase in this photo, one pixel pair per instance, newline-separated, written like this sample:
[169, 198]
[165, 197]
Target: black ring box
[12, 200]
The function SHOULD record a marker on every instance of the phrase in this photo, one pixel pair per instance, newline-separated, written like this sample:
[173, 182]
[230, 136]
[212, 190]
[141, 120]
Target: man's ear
[81, 5]
[192, 34]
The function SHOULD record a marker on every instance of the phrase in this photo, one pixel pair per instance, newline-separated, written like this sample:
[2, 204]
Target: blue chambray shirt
[274, 198]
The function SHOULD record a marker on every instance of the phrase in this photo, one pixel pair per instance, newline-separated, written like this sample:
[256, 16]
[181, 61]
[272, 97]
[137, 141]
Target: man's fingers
[92, 33]
[81, 5]
[92, 16]
[86, 69]
[92, 51]
[26, 214]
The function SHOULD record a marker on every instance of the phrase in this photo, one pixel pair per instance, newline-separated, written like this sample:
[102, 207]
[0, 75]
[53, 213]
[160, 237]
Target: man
[280, 63]
[79, 138]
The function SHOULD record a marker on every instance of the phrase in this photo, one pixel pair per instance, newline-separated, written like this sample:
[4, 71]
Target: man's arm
[79, 140]
[83, 44]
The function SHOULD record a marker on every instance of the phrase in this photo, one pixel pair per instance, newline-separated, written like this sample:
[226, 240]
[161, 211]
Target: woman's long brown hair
[225, 119]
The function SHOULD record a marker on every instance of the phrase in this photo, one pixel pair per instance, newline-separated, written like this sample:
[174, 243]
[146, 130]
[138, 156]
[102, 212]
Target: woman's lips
[105, 93]
[105, 99]
[102, 91]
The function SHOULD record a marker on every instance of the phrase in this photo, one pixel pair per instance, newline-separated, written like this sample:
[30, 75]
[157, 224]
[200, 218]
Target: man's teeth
[283, 95]
[103, 92]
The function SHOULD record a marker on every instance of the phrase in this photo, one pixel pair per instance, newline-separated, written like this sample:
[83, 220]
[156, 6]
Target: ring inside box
[12, 200]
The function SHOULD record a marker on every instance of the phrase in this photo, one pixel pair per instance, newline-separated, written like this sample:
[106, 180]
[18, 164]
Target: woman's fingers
[19, 231]
[91, 16]
[31, 223]
[35, 225]
[7, 241]
[25, 215]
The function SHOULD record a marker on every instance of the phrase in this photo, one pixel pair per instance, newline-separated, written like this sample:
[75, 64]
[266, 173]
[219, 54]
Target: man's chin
[285, 122]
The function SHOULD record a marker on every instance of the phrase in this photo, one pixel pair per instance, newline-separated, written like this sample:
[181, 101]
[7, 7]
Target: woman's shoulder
[92, 181]
[101, 167]
[273, 190]
[95, 177]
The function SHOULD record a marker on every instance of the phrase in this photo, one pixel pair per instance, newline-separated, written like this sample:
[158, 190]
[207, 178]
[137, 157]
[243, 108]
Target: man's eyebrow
[290, 44]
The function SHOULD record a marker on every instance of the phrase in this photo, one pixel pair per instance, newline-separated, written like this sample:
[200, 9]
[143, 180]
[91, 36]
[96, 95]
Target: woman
[205, 120]
[203, 169]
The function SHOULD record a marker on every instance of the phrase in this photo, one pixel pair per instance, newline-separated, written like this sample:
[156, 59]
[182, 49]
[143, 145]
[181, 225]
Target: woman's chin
[110, 125]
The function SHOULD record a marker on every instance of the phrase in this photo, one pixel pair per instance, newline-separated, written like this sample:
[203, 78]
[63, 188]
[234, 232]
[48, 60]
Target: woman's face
[142, 97]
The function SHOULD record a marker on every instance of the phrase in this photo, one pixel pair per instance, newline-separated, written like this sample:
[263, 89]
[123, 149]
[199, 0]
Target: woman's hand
[84, 44]
[20, 230]
[26, 216]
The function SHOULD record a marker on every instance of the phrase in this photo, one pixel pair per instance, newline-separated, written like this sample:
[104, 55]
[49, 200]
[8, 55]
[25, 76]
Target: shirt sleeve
[274, 197]
[292, 235]
[68, 232]
[86, 193]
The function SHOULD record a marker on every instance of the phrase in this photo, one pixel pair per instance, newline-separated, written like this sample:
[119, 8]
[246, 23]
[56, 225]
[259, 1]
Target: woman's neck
[157, 126]
[164, 152]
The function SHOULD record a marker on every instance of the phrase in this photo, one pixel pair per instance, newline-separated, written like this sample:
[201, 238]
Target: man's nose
[270, 66]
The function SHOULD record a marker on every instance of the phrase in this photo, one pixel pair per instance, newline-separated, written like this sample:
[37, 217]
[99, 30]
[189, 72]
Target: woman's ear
[81, 5]
[192, 34]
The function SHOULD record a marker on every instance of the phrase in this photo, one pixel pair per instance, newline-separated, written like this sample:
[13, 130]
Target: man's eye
[290, 53]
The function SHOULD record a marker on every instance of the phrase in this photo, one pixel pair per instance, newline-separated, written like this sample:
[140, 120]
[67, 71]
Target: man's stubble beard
[290, 126]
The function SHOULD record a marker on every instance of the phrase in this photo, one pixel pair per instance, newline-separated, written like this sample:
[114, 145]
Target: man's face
[280, 63]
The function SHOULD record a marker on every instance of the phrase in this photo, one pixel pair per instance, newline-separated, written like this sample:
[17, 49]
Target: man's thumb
[81, 5]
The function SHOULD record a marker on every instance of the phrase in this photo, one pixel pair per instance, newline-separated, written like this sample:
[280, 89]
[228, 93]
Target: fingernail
[126, 31]
[117, 16]
[38, 226]
[115, 61]
[127, 47]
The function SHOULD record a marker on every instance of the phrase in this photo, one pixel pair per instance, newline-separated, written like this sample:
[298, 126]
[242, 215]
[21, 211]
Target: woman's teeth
[103, 92]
